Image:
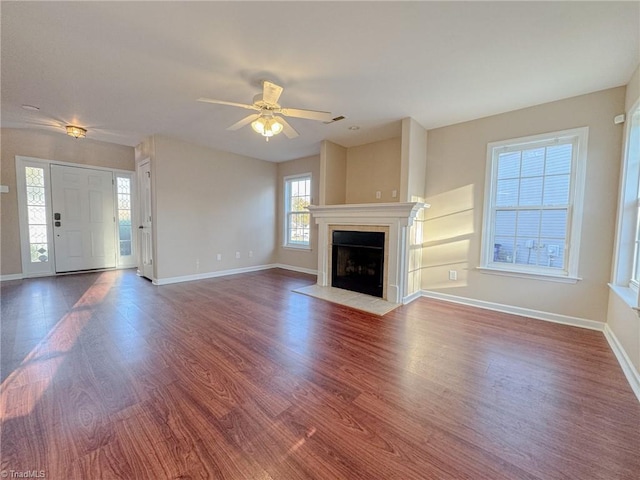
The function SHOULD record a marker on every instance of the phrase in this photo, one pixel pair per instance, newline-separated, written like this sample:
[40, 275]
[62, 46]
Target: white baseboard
[296, 269]
[410, 298]
[219, 273]
[629, 370]
[12, 276]
[524, 312]
[233, 271]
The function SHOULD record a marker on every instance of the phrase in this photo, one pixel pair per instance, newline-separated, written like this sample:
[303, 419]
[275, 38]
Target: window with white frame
[297, 197]
[124, 191]
[34, 204]
[533, 204]
[627, 256]
[39, 249]
[633, 157]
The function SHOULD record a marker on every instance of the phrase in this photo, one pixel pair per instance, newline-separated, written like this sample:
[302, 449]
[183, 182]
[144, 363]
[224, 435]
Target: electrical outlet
[378, 194]
[219, 256]
[453, 275]
[394, 193]
[237, 254]
[250, 253]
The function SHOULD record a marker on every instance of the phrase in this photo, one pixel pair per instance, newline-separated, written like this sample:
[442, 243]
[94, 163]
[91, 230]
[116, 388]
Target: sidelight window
[37, 214]
[123, 185]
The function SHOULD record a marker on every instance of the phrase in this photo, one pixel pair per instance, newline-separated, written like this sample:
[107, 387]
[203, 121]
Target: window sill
[297, 247]
[530, 275]
[626, 294]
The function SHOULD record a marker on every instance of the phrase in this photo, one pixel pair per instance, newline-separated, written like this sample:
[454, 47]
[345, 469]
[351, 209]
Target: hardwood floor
[105, 376]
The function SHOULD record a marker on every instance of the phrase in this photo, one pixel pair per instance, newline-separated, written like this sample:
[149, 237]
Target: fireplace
[357, 262]
[393, 220]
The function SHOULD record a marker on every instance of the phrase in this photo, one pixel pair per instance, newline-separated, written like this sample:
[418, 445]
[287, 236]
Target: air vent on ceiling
[336, 119]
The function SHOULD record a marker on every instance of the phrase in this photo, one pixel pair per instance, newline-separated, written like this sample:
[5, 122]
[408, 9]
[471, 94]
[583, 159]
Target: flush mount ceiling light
[267, 125]
[76, 132]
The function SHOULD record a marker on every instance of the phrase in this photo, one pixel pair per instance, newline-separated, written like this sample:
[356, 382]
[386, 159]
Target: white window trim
[285, 233]
[622, 284]
[126, 261]
[30, 269]
[575, 213]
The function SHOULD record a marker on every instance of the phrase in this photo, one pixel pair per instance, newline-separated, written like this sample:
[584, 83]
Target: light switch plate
[4, 188]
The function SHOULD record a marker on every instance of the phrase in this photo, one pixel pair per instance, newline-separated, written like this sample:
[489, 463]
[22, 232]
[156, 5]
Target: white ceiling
[127, 70]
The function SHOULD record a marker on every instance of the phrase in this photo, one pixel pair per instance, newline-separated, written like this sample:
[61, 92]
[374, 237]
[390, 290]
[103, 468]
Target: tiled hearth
[356, 300]
[392, 218]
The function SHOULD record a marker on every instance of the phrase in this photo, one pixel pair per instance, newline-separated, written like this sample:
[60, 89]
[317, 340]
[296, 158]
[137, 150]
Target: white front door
[83, 218]
[146, 237]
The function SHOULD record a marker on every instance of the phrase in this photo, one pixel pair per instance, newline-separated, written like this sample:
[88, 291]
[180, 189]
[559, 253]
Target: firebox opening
[358, 261]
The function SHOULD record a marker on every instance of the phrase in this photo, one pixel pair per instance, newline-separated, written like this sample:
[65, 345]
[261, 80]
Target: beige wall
[303, 259]
[624, 323]
[621, 318]
[373, 167]
[47, 146]
[209, 202]
[333, 174]
[633, 90]
[456, 160]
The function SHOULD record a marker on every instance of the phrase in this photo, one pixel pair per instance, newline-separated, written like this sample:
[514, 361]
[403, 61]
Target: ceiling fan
[269, 120]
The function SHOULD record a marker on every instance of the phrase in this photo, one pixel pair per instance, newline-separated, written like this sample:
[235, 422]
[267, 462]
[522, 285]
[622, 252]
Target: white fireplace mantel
[402, 211]
[396, 217]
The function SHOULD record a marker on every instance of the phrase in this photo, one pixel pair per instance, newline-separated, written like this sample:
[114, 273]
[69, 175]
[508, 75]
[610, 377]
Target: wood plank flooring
[105, 376]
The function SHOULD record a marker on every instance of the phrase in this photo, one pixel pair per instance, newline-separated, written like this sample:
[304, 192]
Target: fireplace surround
[392, 219]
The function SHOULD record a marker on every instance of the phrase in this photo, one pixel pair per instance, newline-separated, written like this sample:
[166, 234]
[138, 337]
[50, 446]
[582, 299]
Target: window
[35, 220]
[123, 190]
[37, 214]
[297, 197]
[533, 204]
[634, 281]
[627, 255]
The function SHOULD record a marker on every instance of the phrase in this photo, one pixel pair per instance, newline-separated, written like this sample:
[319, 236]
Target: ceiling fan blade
[245, 121]
[308, 114]
[233, 104]
[271, 92]
[287, 129]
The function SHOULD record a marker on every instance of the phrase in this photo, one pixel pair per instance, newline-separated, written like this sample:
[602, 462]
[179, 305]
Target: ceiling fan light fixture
[267, 126]
[258, 125]
[76, 132]
[265, 121]
[276, 126]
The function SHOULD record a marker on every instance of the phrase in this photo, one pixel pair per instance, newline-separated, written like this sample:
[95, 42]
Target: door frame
[23, 161]
[145, 270]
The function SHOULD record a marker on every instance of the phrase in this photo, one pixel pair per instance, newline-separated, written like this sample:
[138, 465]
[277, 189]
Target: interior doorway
[145, 265]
